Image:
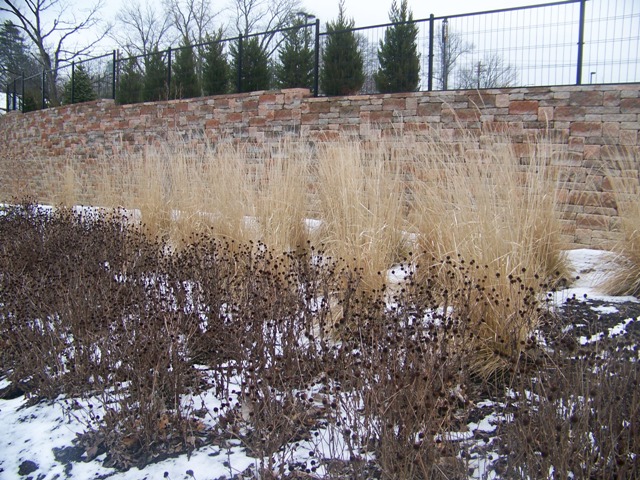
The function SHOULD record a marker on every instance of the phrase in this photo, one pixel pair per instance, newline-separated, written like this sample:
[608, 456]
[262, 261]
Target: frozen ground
[37, 441]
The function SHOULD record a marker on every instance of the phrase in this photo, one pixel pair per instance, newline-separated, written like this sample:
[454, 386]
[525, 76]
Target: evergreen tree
[79, 88]
[155, 77]
[398, 53]
[215, 71]
[295, 68]
[16, 60]
[185, 82]
[31, 100]
[130, 83]
[342, 65]
[15, 56]
[255, 73]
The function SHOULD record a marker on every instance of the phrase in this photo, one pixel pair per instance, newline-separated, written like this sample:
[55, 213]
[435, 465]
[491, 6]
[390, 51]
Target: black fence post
[169, 73]
[22, 89]
[580, 41]
[44, 89]
[239, 79]
[73, 82]
[316, 62]
[15, 96]
[445, 54]
[432, 26]
[6, 100]
[113, 76]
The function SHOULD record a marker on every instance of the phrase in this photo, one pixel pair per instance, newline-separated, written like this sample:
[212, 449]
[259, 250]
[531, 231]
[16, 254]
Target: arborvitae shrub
[296, 62]
[185, 82]
[130, 83]
[342, 64]
[398, 53]
[253, 66]
[155, 77]
[81, 85]
[215, 71]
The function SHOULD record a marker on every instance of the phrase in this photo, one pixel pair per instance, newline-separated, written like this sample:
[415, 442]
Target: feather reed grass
[281, 203]
[65, 183]
[479, 207]
[624, 179]
[182, 192]
[361, 200]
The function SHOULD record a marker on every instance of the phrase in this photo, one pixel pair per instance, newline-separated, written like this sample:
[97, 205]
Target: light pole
[307, 17]
[445, 54]
[303, 70]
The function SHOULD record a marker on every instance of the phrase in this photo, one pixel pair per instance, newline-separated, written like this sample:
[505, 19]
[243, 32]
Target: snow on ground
[614, 331]
[592, 267]
[35, 438]
[41, 432]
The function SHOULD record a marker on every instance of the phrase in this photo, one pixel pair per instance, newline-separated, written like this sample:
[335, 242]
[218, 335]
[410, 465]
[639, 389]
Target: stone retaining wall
[592, 123]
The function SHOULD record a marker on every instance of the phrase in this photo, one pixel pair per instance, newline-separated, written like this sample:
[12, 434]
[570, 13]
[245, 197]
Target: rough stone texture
[590, 123]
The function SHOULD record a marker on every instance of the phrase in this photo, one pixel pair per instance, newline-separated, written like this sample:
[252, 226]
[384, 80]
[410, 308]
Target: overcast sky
[373, 12]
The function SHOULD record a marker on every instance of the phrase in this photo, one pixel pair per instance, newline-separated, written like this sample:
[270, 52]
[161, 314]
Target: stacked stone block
[592, 124]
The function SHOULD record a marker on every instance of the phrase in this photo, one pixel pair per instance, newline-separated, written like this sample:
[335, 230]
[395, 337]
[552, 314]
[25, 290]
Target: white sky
[373, 12]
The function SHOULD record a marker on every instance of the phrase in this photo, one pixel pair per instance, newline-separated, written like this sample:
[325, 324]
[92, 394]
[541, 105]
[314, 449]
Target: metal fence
[62, 86]
[157, 75]
[561, 43]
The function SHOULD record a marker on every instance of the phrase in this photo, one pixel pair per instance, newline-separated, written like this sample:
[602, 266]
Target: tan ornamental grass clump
[623, 178]
[179, 192]
[282, 197]
[63, 180]
[232, 191]
[361, 203]
[486, 228]
[225, 191]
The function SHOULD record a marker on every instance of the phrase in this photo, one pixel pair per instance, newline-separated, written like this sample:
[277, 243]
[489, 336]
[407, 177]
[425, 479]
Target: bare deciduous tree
[193, 19]
[491, 72]
[140, 29]
[52, 25]
[252, 16]
[450, 46]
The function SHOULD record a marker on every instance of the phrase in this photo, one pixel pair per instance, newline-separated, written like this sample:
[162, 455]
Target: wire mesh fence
[77, 82]
[612, 45]
[279, 58]
[519, 47]
[560, 43]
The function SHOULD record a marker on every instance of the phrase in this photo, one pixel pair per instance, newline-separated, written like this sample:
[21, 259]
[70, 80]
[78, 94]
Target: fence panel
[100, 71]
[612, 42]
[532, 46]
[560, 43]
